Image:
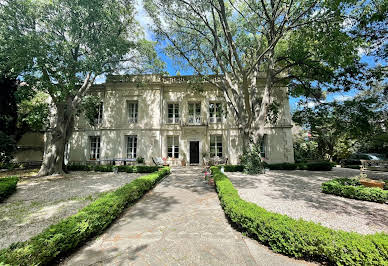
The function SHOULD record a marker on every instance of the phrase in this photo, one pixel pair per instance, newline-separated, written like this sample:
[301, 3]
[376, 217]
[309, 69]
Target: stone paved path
[180, 222]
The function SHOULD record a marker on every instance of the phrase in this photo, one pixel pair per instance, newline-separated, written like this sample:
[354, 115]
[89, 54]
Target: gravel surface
[40, 202]
[298, 195]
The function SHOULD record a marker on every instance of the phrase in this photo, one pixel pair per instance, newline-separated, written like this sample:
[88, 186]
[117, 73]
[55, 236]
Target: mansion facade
[153, 116]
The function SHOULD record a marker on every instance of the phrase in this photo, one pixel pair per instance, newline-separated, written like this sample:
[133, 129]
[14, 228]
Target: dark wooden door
[194, 151]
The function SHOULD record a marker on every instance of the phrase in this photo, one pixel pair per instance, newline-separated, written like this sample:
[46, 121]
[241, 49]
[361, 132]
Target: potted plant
[183, 159]
[140, 160]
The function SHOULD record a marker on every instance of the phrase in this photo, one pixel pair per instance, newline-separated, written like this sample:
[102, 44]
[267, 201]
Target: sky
[172, 69]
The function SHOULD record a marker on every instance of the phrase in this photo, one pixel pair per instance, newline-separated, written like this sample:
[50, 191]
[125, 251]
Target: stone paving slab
[180, 222]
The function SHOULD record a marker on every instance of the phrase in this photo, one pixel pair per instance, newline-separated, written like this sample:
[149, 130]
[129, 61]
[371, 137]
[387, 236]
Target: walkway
[180, 222]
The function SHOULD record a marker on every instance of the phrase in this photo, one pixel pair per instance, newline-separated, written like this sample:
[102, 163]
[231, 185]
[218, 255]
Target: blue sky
[172, 69]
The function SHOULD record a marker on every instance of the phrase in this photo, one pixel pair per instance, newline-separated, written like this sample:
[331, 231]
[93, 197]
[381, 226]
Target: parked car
[354, 159]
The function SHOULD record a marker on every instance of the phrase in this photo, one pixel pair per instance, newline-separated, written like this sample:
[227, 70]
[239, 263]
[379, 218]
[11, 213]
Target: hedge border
[300, 238]
[7, 186]
[353, 189]
[109, 168]
[61, 238]
[311, 166]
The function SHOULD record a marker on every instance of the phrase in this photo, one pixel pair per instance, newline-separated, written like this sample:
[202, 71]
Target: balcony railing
[173, 120]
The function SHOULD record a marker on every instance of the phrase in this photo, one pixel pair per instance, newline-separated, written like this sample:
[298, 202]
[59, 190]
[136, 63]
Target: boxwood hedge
[299, 238]
[352, 188]
[7, 186]
[75, 230]
[109, 168]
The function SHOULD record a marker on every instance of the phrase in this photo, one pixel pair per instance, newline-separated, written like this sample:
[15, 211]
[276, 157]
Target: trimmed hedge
[109, 168]
[232, 168]
[75, 230]
[7, 186]
[319, 166]
[282, 166]
[353, 189]
[299, 238]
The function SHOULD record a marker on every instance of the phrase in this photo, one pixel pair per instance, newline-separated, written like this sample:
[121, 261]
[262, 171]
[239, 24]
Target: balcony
[193, 121]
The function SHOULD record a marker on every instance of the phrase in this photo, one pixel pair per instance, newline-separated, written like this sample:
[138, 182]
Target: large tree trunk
[61, 127]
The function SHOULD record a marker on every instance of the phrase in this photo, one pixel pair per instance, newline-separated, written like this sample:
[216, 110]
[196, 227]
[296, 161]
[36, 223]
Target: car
[355, 158]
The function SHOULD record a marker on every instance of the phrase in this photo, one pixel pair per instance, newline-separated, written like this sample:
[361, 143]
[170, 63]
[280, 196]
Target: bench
[374, 165]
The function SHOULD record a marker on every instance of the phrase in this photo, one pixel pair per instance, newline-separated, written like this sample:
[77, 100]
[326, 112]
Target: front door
[194, 152]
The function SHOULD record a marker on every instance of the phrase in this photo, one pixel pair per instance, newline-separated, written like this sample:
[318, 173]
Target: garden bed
[354, 189]
[299, 238]
[73, 231]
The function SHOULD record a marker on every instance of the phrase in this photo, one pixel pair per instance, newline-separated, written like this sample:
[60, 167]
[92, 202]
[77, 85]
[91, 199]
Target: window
[173, 146]
[132, 112]
[94, 148]
[215, 112]
[194, 113]
[263, 146]
[215, 145]
[131, 147]
[98, 117]
[173, 113]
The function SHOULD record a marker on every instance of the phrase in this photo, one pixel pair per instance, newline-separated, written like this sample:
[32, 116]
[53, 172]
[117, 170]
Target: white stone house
[157, 116]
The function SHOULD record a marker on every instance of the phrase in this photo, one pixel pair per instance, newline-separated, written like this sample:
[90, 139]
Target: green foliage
[251, 160]
[7, 186]
[33, 112]
[140, 159]
[70, 233]
[232, 168]
[353, 189]
[7, 147]
[282, 166]
[299, 238]
[109, 168]
[319, 166]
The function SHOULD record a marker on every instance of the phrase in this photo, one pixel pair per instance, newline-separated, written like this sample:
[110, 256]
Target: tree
[301, 43]
[62, 46]
[341, 128]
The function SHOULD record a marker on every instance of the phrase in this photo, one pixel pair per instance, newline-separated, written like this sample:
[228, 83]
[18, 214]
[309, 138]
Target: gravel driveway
[298, 195]
[40, 202]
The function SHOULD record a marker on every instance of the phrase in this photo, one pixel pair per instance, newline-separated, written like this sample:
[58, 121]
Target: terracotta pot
[183, 163]
[372, 183]
[211, 181]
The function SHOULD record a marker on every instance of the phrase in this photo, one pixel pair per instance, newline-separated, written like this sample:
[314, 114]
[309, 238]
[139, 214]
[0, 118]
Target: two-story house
[158, 116]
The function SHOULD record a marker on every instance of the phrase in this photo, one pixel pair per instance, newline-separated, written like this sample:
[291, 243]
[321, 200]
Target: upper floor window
[131, 147]
[132, 111]
[263, 146]
[99, 113]
[194, 113]
[94, 148]
[173, 146]
[215, 112]
[173, 113]
[216, 145]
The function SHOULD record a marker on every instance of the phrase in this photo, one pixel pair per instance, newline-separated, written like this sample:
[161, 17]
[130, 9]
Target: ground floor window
[263, 146]
[173, 146]
[94, 147]
[216, 145]
[131, 147]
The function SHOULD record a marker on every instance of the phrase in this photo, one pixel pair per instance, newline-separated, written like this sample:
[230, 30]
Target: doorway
[194, 152]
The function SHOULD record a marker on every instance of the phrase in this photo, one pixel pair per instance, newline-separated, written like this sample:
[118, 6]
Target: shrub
[140, 159]
[352, 166]
[75, 230]
[353, 189]
[319, 166]
[109, 168]
[7, 186]
[251, 161]
[299, 238]
[282, 166]
[232, 168]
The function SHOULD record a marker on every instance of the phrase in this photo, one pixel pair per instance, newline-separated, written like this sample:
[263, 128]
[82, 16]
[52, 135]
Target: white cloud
[342, 98]
[144, 20]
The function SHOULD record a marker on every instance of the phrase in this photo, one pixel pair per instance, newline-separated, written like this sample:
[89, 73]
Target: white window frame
[216, 142]
[175, 113]
[215, 113]
[133, 111]
[94, 147]
[131, 141]
[194, 118]
[100, 113]
[173, 144]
